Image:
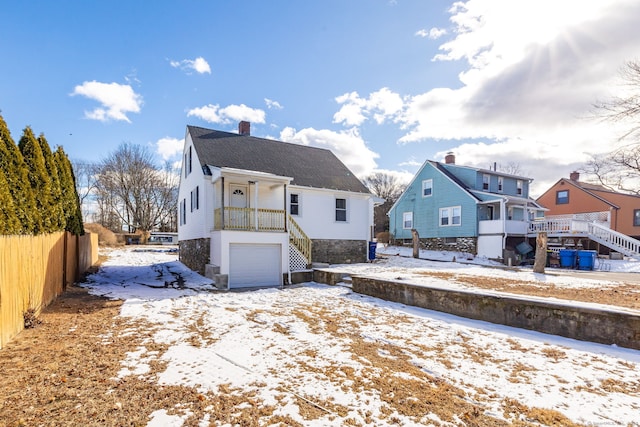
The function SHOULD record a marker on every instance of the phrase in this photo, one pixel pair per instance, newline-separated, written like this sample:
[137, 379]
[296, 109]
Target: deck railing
[299, 239]
[249, 219]
[595, 231]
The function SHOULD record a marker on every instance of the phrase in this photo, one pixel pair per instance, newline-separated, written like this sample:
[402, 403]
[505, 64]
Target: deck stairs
[299, 246]
[594, 230]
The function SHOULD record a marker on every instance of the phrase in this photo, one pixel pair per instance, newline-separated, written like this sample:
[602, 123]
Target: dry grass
[65, 372]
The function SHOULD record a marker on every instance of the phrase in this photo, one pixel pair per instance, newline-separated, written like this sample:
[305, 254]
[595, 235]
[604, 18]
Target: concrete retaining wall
[587, 324]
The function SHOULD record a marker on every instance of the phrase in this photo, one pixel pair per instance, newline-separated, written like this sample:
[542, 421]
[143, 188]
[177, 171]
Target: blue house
[466, 209]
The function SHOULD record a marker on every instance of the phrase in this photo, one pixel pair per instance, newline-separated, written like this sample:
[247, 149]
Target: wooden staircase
[299, 246]
[569, 227]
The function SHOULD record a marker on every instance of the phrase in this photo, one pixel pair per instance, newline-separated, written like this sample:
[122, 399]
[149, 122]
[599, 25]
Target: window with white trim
[500, 183]
[519, 187]
[341, 210]
[294, 204]
[562, 197]
[427, 187]
[450, 216]
[407, 220]
[195, 199]
[183, 212]
[485, 181]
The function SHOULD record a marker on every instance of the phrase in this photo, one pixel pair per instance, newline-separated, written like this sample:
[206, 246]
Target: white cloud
[347, 145]
[535, 68]
[380, 105]
[229, 114]
[169, 147]
[434, 33]
[272, 104]
[117, 100]
[199, 65]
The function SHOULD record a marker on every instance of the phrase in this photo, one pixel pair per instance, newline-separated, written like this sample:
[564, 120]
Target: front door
[238, 212]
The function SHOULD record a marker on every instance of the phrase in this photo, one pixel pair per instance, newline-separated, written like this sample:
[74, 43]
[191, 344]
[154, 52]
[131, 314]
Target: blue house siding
[474, 179]
[426, 210]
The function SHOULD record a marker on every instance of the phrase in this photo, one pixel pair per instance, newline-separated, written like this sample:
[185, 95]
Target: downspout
[503, 216]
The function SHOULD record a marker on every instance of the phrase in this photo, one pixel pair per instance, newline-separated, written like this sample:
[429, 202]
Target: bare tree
[384, 185]
[387, 187]
[619, 170]
[130, 186]
[86, 175]
[511, 168]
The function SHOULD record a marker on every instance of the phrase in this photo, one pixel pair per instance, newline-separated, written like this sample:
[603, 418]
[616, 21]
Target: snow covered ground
[307, 342]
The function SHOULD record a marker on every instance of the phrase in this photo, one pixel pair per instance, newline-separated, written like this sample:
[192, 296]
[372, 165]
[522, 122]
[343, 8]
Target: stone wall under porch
[195, 254]
[338, 251]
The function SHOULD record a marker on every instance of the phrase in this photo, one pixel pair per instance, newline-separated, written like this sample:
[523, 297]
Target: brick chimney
[574, 176]
[244, 128]
[450, 158]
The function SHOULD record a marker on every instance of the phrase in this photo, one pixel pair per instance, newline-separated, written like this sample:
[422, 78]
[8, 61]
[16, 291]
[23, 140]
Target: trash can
[372, 250]
[586, 260]
[568, 258]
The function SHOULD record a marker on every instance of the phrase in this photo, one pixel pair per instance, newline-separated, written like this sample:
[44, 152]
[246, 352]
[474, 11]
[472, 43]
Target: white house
[252, 211]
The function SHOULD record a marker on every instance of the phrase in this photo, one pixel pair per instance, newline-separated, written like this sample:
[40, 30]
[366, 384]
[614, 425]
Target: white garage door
[254, 265]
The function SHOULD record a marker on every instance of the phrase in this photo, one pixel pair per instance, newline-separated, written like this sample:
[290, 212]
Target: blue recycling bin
[586, 260]
[568, 258]
[372, 250]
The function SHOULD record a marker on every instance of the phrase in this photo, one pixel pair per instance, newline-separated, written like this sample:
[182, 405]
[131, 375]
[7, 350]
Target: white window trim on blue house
[407, 220]
[449, 214]
[486, 182]
[427, 188]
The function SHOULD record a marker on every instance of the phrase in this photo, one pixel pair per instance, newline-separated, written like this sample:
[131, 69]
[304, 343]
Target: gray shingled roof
[308, 166]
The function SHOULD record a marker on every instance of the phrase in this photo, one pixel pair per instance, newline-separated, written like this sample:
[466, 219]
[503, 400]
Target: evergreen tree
[56, 212]
[17, 180]
[9, 223]
[70, 199]
[39, 180]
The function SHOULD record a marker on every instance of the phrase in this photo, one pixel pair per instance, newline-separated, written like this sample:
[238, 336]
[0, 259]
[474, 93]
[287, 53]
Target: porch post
[255, 205]
[222, 203]
[285, 209]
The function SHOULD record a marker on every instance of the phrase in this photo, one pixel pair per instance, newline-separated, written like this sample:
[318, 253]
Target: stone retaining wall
[587, 324]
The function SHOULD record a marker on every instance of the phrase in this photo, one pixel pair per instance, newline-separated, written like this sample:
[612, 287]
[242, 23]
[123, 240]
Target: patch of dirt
[65, 372]
[621, 295]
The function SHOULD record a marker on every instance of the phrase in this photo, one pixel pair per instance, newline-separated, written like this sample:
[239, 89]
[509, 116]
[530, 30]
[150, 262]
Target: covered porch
[249, 201]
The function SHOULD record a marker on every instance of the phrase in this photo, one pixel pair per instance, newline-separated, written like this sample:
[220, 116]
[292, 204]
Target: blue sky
[384, 84]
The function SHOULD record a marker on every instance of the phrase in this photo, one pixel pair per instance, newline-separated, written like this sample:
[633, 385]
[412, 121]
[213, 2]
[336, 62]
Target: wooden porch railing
[248, 219]
[245, 219]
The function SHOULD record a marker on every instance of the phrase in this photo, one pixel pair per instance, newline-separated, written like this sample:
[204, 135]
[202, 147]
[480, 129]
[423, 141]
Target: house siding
[317, 214]
[426, 210]
[198, 221]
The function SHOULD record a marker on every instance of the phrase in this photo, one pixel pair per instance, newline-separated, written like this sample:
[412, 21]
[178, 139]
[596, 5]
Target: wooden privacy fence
[34, 270]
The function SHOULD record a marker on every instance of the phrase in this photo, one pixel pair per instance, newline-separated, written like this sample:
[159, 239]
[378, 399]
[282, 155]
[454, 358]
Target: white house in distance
[253, 211]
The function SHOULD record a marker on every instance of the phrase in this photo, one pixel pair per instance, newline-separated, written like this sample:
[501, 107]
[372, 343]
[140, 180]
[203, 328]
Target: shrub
[382, 237]
[106, 237]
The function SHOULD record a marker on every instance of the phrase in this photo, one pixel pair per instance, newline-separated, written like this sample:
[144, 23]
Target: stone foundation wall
[339, 251]
[462, 244]
[195, 254]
